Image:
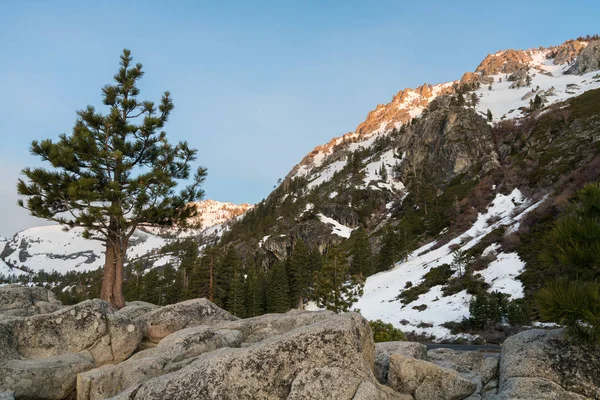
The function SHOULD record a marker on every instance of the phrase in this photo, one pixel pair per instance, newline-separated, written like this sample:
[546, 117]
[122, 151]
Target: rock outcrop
[544, 365]
[384, 350]
[164, 321]
[41, 355]
[21, 301]
[327, 359]
[427, 381]
[588, 60]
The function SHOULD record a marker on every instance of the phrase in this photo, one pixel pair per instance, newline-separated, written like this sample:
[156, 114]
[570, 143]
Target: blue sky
[256, 85]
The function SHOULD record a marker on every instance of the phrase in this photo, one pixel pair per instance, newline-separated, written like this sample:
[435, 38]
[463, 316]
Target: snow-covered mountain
[212, 212]
[446, 168]
[504, 83]
[53, 248]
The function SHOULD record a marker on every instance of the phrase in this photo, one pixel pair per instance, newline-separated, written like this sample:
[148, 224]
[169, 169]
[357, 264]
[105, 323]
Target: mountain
[52, 248]
[454, 185]
[212, 212]
[466, 167]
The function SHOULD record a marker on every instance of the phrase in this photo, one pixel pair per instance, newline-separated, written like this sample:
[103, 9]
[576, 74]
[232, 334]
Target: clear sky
[256, 85]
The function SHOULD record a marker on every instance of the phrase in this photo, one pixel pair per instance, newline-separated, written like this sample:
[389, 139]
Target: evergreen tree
[113, 174]
[236, 301]
[299, 274]
[335, 288]
[202, 277]
[254, 301]
[362, 257]
[537, 102]
[490, 117]
[224, 275]
[389, 251]
[278, 292]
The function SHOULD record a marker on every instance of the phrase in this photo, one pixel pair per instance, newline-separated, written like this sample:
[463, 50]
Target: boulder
[41, 355]
[544, 362]
[182, 347]
[384, 350]
[46, 378]
[136, 309]
[427, 381]
[328, 359]
[90, 325]
[21, 301]
[165, 320]
[588, 60]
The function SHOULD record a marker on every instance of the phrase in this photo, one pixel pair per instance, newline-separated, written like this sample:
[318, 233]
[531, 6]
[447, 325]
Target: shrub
[488, 309]
[383, 332]
[574, 304]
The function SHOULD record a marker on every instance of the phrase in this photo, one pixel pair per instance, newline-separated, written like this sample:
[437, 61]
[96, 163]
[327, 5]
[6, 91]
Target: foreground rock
[21, 301]
[541, 364]
[471, 365]
[255, 343]
[41, 355]
[328, 359]
[427, 381]
[383, 351]
[163, 321]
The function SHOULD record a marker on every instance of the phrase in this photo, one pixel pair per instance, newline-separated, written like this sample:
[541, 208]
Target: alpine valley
[437, 202]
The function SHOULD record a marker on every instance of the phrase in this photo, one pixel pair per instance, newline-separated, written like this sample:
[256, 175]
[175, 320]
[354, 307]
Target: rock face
[543, 365]
[588, 60]
[504, 62]
[327, 359]
[23, 301]
[383, 351]
[451, 141]
[41, 355]
[426, 381]
[165, 320]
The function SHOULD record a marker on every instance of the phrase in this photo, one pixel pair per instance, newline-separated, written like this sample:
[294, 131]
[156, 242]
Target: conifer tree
[236, 301]
[299, 274]
[362, 257]
[114, 173]
[278, 292]
[489, 115]
[254, 301]
[335, 288]
[389, 251]
[224, 275]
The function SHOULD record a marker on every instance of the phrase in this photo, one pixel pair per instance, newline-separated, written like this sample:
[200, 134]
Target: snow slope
[379, 300]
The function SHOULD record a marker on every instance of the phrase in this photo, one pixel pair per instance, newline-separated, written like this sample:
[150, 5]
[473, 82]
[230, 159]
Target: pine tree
[299, 274]
[278, 292]
[490, 117]
[254, 301]
[236, 301]
[362, 257]
[224, 275]
[389, 251]
[335, 288]
[113, 174]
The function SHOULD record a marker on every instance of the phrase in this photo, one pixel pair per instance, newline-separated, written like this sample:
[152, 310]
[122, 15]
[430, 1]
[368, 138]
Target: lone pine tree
[114, 173]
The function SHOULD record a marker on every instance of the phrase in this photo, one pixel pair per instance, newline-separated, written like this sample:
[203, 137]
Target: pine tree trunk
[119, 297]
[109, 275]
[112, 280]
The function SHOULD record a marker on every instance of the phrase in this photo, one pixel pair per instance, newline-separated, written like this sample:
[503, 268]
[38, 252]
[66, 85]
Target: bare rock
[46, 378]
[328, 359]
[427, 381]
[7, 395]
[90, 325]
[136, 309]
[22, 301]
[541, 361]
[383, 351]
[163, 321]
[534, 388]
[588, 60]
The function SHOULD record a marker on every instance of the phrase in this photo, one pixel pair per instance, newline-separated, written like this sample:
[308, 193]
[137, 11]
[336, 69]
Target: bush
[383, 332]
[488, 309]
[574, 304]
